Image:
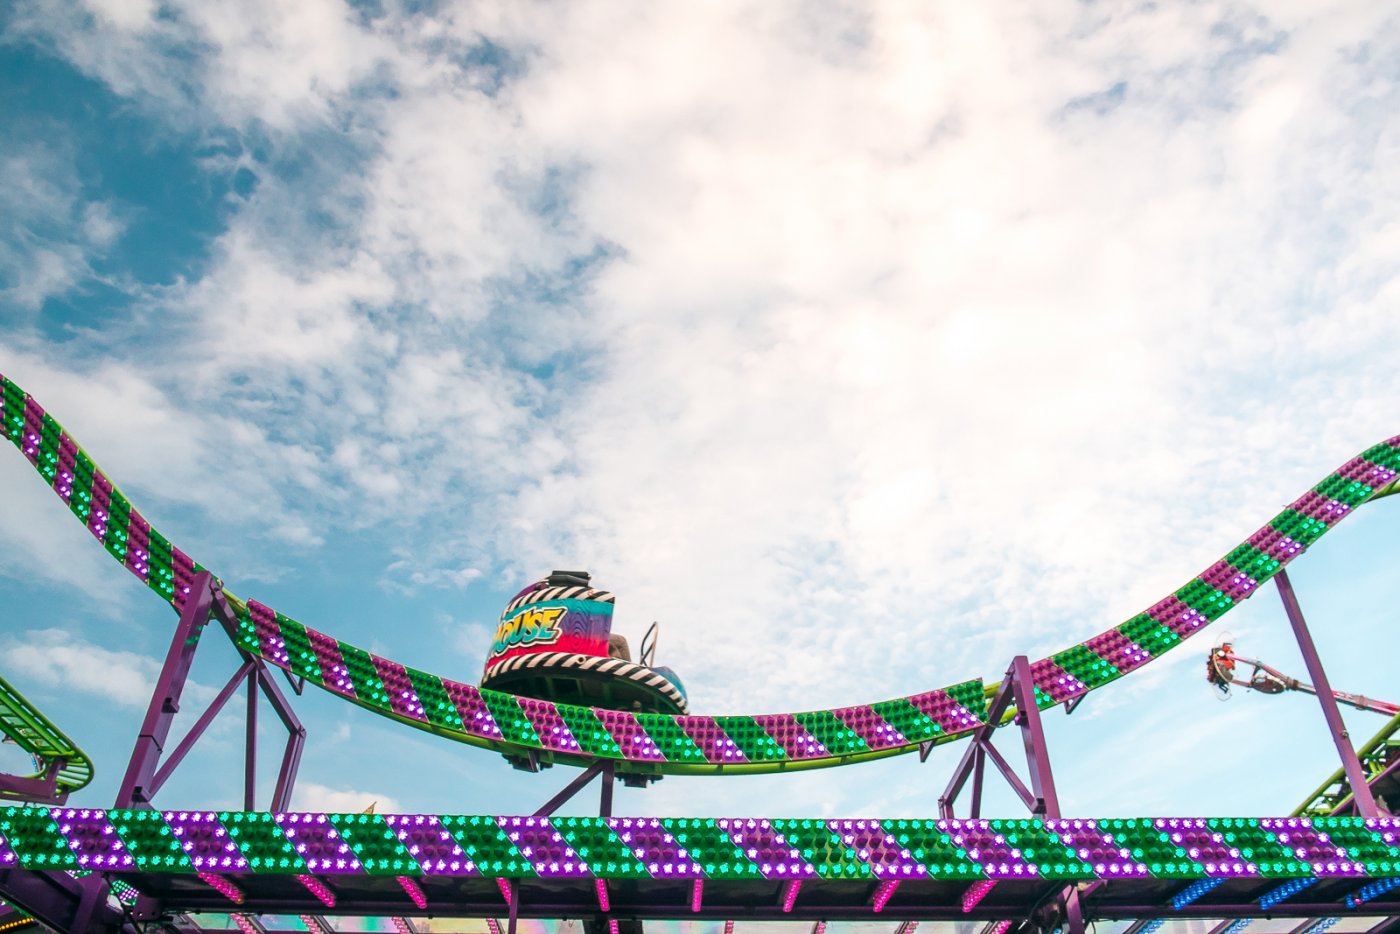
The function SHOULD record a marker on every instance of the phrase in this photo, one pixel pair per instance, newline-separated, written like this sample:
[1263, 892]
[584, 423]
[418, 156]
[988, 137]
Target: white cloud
[60, 659]
[51, 231]
[310, 796]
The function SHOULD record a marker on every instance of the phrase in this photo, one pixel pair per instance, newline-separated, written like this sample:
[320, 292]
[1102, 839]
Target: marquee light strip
[259, 843]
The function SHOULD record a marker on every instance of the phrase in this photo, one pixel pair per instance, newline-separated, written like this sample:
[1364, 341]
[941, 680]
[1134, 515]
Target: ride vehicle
[555, 642]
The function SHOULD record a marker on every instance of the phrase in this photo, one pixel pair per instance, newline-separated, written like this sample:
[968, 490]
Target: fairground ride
[1379, 756]
[273, 870]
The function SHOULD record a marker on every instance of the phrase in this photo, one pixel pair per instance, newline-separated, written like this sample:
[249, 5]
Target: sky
[864, 346]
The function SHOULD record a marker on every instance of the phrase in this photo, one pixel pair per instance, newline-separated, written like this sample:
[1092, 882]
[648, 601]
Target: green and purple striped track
[656, 744]
[31, 731]
[428, 845]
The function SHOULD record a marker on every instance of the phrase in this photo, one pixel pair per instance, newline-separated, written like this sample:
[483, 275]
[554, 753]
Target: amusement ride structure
[559, 689]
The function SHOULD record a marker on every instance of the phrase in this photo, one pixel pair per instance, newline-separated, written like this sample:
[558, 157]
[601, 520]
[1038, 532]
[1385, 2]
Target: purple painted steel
[606, 769]
[605, 801]
[94, 898]
[966, 765]
[250, 745]
[296, 732]
[173, 760]
[1364, 801]
[56, 899]
[1031, 801]
[514, 907]
[1033, 734]
[287, 774]
[147, 773]
[569, 790]
[979, 772]
[39, 790]
[165, 700]
[1040, 799]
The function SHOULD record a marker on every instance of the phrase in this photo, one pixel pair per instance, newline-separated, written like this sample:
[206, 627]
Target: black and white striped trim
[563, 662]
[559, 593]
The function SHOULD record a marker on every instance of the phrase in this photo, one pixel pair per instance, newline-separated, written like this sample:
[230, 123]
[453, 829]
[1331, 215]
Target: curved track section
[32, 732]
[655, 744]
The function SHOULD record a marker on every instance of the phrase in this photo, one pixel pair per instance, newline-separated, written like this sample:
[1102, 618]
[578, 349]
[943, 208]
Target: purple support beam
[250, 745]
[41, 789]
[59, 901]
[1037, 753]
[173, 760]
[287, 774]
[605, 800]
[1031, 801]
[1040, 799]
[296, 733]
[165, 701]
[966, 766]
[1365, 802]
[569, 790]
[979, 771]
[95, 889]
[604, 768]
[146, 773]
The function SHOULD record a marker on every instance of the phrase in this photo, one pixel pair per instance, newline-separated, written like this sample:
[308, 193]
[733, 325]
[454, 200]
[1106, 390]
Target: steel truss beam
[146, 773]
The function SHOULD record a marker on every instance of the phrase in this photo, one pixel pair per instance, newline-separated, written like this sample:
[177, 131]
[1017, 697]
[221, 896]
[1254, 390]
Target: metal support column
[165, 701]
[1365, 802]
[1047, 803]
[250, 745]
[605, 800]
[1040, 799]
[147, 773]
[604, 767]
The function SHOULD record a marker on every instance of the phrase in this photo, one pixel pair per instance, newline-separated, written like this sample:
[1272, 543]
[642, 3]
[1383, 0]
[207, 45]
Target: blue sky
[862, 347]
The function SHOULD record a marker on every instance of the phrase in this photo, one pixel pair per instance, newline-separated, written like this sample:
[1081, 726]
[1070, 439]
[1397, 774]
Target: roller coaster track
[657, 744]
[59, 758]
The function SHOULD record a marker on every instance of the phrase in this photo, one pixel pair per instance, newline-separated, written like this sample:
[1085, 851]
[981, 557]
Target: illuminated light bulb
[790, 896]
[975, 893]
[415, 891]
[223, 886]
[601, 887]
[883, 893]
[696, 894]
[318, 888]
[1283, 892]
[245, 924]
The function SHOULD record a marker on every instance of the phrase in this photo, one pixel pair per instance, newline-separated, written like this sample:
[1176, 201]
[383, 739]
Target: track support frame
[1040, 798]
[150, 766]
[1363, 800]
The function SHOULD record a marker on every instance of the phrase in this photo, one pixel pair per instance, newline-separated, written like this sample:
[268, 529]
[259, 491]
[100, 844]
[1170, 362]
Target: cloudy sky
[863, 345]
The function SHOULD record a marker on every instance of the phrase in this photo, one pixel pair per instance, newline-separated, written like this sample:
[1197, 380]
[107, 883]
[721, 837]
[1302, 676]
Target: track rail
[31, 731]
[656, 744]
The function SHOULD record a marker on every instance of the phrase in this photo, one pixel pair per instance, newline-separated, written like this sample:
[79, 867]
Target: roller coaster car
[555, 642]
